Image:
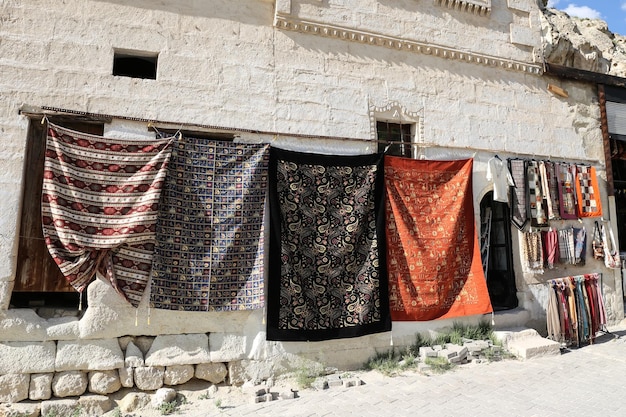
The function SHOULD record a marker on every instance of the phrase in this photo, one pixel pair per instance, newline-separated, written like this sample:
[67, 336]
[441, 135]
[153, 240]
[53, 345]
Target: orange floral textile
[433, 256]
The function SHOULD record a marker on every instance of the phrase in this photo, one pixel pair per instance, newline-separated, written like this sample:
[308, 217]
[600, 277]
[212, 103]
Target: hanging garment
[611, 253]
[498, 174]
[583, 309]
[550, 239]
[99, 207]
[519, 213]
[553, 187]
[552, 315]
[570, 288]
[597, 243]
[538, 215]
[328, 276]
[210, 234]
[587, 192]
[545, 189]
[580, 245]
[566, 174]
[567, 248]
[433, 255]
[532, 253]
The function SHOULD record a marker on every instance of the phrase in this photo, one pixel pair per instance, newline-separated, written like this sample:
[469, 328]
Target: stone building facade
[314, 76]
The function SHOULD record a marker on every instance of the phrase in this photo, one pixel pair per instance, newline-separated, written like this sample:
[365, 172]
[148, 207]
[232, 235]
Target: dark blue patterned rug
[209, 253]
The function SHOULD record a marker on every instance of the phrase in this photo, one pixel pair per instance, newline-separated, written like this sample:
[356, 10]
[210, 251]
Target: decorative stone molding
[478, 7]
[390, 42]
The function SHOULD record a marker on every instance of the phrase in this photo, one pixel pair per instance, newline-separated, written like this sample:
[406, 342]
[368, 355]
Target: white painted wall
[223, 63]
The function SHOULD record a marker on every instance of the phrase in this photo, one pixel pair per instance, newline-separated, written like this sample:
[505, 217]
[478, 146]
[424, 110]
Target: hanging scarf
[535, 197]
[580, 245]
[545, 188]
[567, 246]
[550, 240]
[553, 187]
[532, 251]
[519, 213]
[567, 193]
[611, 253]
[99, 207]
[588, 192]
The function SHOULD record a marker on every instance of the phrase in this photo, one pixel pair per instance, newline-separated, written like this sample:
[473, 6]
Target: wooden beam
[557, 90]
[585, 76]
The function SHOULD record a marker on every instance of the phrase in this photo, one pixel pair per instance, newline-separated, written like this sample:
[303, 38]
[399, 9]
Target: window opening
[399, 134]
[135, 65]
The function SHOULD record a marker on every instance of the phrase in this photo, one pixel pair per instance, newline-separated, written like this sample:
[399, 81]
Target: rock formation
[585, 44]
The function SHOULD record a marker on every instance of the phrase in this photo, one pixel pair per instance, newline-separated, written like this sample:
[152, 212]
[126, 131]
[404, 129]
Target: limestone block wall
[42, 370]
[224, 65]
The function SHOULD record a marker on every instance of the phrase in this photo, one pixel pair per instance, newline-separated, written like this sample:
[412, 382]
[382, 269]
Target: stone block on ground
[104, 382]
[126, 377]
[216, 372]
[178, 374]
[27, 357]
[351, 382]
[40, 387]
[133, 357]
[66, 407]
[427, 352]
[95, 405]
[89, 355]
[287, 395]
[69, 384]
[184, 349]
[148, 378]
[527, 348]
[21, 410]
[14, 387]
[236, 373]
[134, 401]
[227, 347]
[162, 396]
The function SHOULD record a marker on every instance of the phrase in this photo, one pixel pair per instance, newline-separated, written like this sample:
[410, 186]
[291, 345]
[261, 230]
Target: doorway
[495, 241]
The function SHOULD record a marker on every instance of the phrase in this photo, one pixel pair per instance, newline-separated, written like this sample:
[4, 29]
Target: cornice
[288, 22]
[479, 7]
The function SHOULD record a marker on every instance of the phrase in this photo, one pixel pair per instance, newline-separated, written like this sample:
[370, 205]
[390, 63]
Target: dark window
[135, 65]
[396, 136]
[38, 280]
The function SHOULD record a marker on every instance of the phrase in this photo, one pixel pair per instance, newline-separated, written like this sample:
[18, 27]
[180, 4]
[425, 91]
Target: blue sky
[611, 11]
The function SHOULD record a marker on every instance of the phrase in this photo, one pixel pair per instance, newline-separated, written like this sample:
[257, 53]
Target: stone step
[527, 343]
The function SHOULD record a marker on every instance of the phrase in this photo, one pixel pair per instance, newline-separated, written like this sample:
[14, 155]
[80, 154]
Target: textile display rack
[576, 311]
